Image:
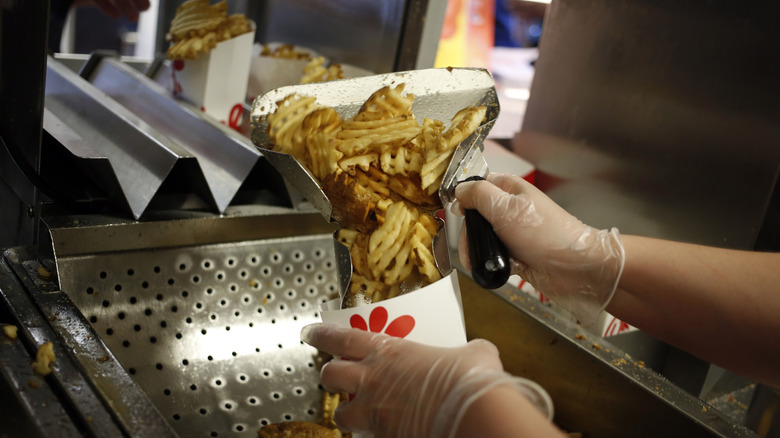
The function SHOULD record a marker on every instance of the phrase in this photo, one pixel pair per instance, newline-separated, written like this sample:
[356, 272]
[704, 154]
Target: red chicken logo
[377, 323]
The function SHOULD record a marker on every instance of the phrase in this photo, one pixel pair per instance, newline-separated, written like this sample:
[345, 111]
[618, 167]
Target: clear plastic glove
[406, 389]
[573, 264]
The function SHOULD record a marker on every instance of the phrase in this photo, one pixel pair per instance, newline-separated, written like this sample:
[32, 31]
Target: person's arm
[721, 305]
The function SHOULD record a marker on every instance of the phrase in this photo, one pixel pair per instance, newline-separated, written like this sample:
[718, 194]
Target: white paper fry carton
[267, 72]
[432, 315]
[216, 81]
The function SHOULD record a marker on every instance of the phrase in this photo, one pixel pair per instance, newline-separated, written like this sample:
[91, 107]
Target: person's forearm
[722, 305]
[504, 412]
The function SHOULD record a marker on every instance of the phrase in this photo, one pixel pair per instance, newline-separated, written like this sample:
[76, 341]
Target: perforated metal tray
[211, 332]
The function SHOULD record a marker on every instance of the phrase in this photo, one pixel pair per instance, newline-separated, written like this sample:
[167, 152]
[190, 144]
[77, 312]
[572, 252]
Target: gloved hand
[575, 265]
[406, 389]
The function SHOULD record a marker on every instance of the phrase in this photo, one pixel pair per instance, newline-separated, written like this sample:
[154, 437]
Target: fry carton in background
[268, 72]
[216, 81]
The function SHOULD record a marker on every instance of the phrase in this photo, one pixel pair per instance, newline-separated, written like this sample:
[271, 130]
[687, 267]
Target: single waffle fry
[196, 17]
[387, 243]
[363, 162]
[465, 122]
[359, 254]
[322, 119]
[285, 124]
[401, 161]
[387, 102]
[322, 158]
[437, 158]
[379, 142]
[422, 256]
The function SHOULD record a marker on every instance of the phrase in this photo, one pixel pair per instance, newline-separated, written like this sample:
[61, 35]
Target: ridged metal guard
[211, 333]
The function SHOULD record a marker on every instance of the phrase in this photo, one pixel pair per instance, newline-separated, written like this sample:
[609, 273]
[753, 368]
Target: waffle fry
[315, 71]
[198, 26]
[285, 51]
[386, 103]
[381, 170]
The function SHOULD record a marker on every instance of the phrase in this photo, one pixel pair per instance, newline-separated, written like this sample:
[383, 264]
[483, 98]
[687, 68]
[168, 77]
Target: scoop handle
[488, 255]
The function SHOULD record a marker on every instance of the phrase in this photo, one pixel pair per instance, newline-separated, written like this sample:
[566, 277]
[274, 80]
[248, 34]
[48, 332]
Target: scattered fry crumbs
[580, 336]
[596, 346]
[10, 331]
[44, 273]
[44, 359]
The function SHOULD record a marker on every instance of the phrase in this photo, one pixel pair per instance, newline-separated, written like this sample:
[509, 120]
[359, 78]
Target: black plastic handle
[489, 257]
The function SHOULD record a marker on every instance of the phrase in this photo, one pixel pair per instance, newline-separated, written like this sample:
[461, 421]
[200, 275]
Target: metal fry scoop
[439, 94]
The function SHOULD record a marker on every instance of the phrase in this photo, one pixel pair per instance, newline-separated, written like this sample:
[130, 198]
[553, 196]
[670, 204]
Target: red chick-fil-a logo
[377, 323]
[616, 327]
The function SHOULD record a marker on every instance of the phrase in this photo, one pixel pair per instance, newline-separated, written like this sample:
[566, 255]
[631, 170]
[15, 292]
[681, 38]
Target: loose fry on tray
[381, 171]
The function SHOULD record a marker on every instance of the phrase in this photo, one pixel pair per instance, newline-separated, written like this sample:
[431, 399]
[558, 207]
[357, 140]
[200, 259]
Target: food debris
[640, 363]
[33, 384]
[253, 283]
[43, 273]
[43, 359]
[618, 362]
[580, 336]
[10, 331]
[596, 346]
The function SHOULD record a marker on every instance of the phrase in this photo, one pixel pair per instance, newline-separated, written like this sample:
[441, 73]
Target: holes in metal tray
[291, 281]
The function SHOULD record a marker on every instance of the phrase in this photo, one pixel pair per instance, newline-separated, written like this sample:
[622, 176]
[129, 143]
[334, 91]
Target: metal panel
[660, 118]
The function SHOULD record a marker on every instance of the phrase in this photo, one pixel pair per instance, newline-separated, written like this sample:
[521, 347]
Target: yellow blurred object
[467, 34]
[44, 359]
[10, 331]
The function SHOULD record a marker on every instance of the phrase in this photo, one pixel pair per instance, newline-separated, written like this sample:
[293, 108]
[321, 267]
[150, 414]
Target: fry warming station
[172, 268]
